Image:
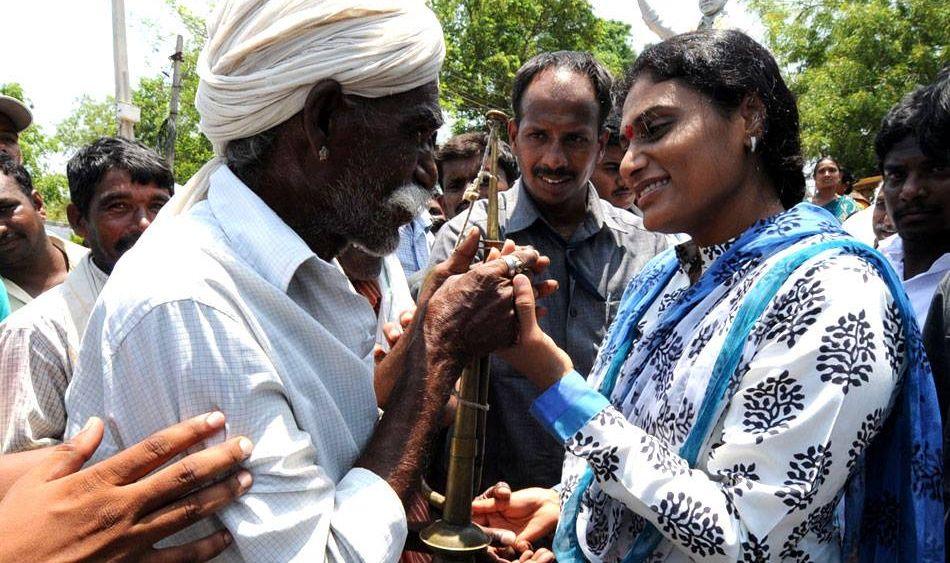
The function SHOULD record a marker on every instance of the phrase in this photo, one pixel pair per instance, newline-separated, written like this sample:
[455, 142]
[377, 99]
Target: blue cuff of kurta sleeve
[567, 406]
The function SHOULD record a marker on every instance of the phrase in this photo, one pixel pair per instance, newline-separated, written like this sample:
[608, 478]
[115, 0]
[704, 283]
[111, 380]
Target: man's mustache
[125, 243]
[556, 172]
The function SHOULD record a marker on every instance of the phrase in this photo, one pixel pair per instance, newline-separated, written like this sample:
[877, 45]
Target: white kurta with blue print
[815, 381]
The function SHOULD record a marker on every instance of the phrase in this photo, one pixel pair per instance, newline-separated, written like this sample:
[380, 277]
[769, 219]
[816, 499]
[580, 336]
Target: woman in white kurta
[749, 370]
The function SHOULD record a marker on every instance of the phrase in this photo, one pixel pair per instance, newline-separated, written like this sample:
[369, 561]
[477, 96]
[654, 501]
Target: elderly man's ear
[324, 102]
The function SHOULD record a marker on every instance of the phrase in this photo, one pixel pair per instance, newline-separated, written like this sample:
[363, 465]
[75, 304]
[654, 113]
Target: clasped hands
[471, 310]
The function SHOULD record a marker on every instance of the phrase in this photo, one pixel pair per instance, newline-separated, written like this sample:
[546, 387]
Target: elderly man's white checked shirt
[226, 308]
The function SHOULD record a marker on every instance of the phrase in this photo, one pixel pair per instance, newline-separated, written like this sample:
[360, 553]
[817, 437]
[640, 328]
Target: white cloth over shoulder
[262, 58]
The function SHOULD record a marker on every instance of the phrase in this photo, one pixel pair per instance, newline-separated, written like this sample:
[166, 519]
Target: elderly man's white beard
[368, 223]
[407, 200]
[410, 198]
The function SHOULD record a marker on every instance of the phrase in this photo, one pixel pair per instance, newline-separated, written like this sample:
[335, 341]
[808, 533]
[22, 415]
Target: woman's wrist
[552, 372]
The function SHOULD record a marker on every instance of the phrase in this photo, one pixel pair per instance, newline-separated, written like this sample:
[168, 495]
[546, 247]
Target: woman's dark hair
[577, 61]
[814, 171]
[726, 66]
[90, 164]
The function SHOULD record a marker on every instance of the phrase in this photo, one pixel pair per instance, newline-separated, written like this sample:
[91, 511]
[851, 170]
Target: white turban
[263, 56]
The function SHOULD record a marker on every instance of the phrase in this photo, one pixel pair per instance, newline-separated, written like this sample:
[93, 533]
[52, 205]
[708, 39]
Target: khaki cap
[19, 114]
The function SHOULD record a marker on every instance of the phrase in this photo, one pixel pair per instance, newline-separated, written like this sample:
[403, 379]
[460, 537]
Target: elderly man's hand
[472, 313]
[115, 510]
[460, 262]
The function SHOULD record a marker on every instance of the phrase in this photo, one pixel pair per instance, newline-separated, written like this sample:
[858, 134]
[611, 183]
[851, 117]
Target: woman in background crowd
[828, 180]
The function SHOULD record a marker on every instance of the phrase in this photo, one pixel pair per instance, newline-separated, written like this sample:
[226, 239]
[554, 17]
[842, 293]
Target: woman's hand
[534, 355]
[530, 513]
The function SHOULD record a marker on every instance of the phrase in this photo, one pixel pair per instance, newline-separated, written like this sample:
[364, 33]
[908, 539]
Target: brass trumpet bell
[446, 539]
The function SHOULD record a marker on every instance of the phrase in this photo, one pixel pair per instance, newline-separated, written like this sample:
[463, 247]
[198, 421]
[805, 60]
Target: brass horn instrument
[455, 537]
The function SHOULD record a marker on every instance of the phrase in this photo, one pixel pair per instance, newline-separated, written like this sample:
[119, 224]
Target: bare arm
[460, 316]
[398, 447]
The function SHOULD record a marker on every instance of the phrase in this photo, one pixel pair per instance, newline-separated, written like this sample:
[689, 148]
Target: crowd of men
[314, 244]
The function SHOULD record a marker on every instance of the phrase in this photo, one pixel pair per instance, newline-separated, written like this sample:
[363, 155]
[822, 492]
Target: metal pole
[126, 113]
[172, 131]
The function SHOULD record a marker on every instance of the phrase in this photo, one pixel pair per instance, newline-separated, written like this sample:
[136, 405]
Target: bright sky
[66, 46]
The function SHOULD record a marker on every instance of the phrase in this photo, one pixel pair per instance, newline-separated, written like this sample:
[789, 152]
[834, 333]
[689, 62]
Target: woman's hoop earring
[753, 142]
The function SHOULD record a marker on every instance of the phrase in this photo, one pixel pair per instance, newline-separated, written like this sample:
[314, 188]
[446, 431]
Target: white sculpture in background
[712, 10]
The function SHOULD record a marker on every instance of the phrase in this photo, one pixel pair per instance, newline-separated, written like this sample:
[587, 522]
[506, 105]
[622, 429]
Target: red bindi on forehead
[628, 132]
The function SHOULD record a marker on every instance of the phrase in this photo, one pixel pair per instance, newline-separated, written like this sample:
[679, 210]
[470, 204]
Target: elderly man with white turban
[323, 116]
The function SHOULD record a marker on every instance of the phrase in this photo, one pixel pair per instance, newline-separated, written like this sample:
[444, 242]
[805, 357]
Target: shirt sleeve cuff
[371, 507]
[568, 405]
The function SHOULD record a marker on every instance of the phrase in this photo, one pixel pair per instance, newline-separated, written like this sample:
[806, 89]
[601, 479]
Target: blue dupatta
[902, 495]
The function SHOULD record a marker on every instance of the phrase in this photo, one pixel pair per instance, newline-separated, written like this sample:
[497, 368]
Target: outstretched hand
[472, 314]
[458, 262]
[530, 513]
[115, 509]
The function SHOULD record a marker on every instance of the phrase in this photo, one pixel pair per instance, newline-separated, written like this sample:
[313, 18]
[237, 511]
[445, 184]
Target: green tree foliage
[89, 120]
[849, 61]
[488, 40]
[36, 146]
[192, 149]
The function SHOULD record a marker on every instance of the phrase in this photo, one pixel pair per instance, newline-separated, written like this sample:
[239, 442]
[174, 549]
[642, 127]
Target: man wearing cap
[14, 118]
[31, 261]
[322, 116]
